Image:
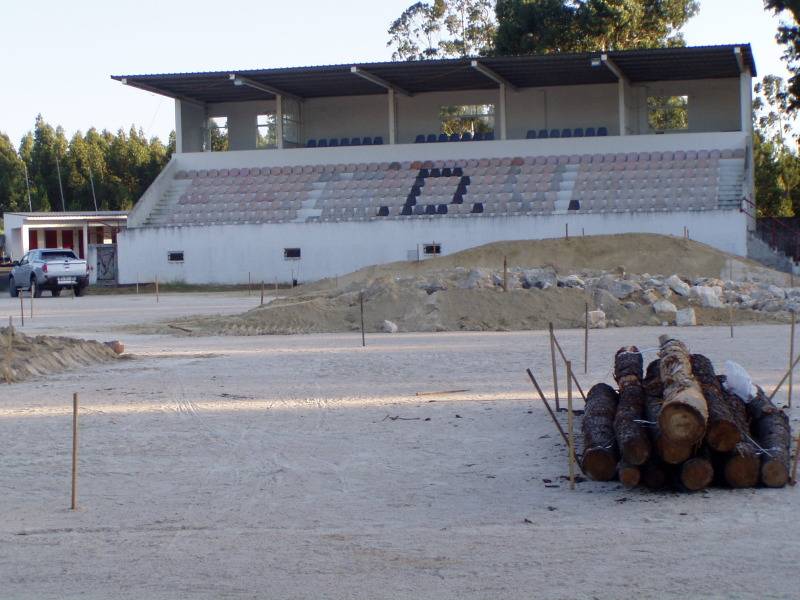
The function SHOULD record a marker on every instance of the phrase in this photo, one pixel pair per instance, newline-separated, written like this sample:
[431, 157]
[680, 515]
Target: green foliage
[545, 26]
[442, 29]
[789, 36]
[122, 166]
[668, 113]
[467, 118]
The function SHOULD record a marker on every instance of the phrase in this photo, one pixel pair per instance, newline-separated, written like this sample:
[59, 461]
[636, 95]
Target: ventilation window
[176, 256]
[291, 253]
[432, 249]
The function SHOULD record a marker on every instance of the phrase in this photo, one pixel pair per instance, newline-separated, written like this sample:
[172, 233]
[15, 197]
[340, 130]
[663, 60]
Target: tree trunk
[741, 468]
[629, 475]
[722, 433]
[669, 451]
[772, 432]
[684, 412]
[697, 473]
[631, 437]
[600, 447]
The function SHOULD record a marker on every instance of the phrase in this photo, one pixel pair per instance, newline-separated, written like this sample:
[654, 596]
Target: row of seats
[345, 141]
[544, 134]
[478, 136]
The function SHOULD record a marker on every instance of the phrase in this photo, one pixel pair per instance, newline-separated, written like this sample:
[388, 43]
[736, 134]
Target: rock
[432, 285]
[116, 346]
[539, 278]
[620, 288]
[630, 305]
[665, 291]
[665, 308]
[571, 281]
[685, 318]
[706, 296]
[476, 278]
[776, 291]
[597, 319]
[389, 327]
[607, 302]
[650, 297]
[677, 285]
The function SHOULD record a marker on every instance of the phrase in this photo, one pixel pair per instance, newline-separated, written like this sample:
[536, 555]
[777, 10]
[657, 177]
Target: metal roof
[652, 64]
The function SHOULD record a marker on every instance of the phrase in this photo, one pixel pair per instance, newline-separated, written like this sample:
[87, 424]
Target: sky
[56, 57]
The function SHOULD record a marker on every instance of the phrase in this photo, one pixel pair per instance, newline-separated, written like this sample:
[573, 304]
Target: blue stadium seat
[435, 172]
[441, 209]
[574, 205]
[566, 133]
[431, 138]
[344, 142]
[419, 209]
[458, 198]
[454, 137]
[443, 137]
[377, 141]
[488, 136]
[333, 143]
[424, 172]
[458, 171]
[430, 209]
[543, 134]
[531, 135]
[406, 210]
[383, 211]
[367, 140]
[478, 137]
[447, 172]
[590, 132]
[554, 133]
[355, 142]
[466, 136]
[477, 208]
[602, 131]
[311, 144]
[578, 132]
[323, 144]
[420, 139]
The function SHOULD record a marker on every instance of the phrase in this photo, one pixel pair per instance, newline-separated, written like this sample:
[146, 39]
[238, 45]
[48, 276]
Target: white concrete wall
[242, 121]
[190, 121]
[225, 254]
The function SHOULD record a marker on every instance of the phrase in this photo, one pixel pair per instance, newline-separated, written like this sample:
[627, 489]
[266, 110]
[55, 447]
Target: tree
[442, 29]
[789, 36]
[545, 26]
[12, 178]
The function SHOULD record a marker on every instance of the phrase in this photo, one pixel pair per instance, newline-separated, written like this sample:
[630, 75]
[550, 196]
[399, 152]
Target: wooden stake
[31, 302]
[586, 341]
[791, 358]
[276, 284]
[10, 352]
[248, 283]
[361, 302]
[730, 318]
[793, 478]
[262, 292]
[21, 310]
[564, 358]
[547, 406]
[566, 230]
[440, 393]
[74, 504]
[156, 289]
[784, 378]
[571, 446]
[505, 274]
[137, 284]
[553, 361]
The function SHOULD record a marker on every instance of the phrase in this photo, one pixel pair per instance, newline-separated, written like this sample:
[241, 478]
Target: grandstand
[329, 169]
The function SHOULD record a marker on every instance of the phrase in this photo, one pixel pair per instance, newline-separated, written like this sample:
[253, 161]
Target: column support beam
[279, 121]
[392, 117]
[622, 84]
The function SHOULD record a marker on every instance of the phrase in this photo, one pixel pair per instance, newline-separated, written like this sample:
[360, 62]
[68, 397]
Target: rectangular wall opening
[291, 253]
[175, 256]
[217, 135]
[668, 113]
[466, 118]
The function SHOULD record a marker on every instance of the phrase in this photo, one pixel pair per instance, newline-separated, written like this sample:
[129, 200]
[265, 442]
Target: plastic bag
[738, 381]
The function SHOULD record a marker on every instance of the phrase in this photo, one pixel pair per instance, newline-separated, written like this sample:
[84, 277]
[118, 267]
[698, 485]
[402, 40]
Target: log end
[697, 474]
[673, 453]
[774, 474]
[681, 423]
[636, 451]
[629, 475]
[742, 471]
[723, 436]
[654, 476]
[599, 464]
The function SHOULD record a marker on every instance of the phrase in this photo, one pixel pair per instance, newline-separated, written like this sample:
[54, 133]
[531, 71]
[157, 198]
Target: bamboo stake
[564, 358]
[586, 341]
[262, 292]
[791, 358]
[74, 504]
[730, 318]
[32, 302]
[156, 289]
[547, 406]
[793, 478]
[571, 446]
[248, 283]
[361, 302]
[784, 378]
[553, 361]
[21, 310]
[137, 283]
[10, 352]
[440, 393]
[505, 274]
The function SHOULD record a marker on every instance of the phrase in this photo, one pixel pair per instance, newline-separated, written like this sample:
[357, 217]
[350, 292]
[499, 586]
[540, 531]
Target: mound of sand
[29, 356]
[548, 281]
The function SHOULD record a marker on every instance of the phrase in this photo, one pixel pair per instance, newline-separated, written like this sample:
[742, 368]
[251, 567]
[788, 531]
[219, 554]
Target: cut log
[629, 475]
[722, 432]
[770, 427]
[697, 473]
[684, 412]
[655, 474]
[669, 451]
[600, 454]
[632, 439]
[742, 467]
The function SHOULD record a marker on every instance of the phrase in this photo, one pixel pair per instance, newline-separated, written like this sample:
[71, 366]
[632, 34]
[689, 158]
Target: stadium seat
[566, 133]
[602, 131]
[431, 138]
[477, 208]
[383, 211]
[323, 143]
[377, 141]
[441, 209]
[344, 142]
[488, 136]
[543, 134]
[578, 132]
[407, 210]
[333, 143]
[478, 137]
[436, 172]
[311, 144]
[454, 137]
[355, 141]
[443, 137]
[466, 136]
[554, 133]
[430, 209]
[367, 140]
[420, 139]
[590, 132]
[531, 135]
[458, 171]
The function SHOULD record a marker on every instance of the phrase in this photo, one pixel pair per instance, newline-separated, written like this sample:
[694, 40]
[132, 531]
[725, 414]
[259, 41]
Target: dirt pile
[22, 356]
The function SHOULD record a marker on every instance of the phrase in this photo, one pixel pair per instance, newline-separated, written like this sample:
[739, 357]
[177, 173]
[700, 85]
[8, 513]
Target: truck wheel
[12, 287]
[79, 290]
[36, 291]
[56, 292]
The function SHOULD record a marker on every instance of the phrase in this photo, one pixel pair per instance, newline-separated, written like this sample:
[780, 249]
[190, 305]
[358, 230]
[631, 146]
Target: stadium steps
[731, 180]
[565, 177]
[167, 203]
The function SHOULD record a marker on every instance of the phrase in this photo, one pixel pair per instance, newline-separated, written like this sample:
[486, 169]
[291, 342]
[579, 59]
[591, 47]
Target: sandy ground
[270, 467]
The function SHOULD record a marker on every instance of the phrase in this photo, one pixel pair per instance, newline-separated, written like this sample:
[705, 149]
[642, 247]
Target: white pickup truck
[50, 269]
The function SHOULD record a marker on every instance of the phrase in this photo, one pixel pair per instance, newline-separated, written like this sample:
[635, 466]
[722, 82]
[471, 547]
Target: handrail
[794, 253]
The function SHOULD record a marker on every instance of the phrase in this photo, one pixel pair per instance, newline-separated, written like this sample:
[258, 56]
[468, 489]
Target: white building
[658, 140]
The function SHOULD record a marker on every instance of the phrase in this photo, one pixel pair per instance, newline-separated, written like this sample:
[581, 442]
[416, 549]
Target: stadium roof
[412, 77]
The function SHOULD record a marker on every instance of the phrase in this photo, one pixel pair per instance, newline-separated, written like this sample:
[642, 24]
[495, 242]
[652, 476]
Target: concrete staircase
[731, 180]
[565, 177]
[166, 203]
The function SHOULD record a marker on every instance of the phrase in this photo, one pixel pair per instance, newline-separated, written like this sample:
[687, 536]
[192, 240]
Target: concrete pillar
[623, 117]
[279, 121]
[746, 101]
[392, 117]
[502, 112]
[86, 240]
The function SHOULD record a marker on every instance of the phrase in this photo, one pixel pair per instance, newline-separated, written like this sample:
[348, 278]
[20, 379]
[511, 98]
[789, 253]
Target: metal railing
[776, 231]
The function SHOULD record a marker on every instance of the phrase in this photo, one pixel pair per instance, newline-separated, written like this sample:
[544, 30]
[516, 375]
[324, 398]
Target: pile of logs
[676, 425]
